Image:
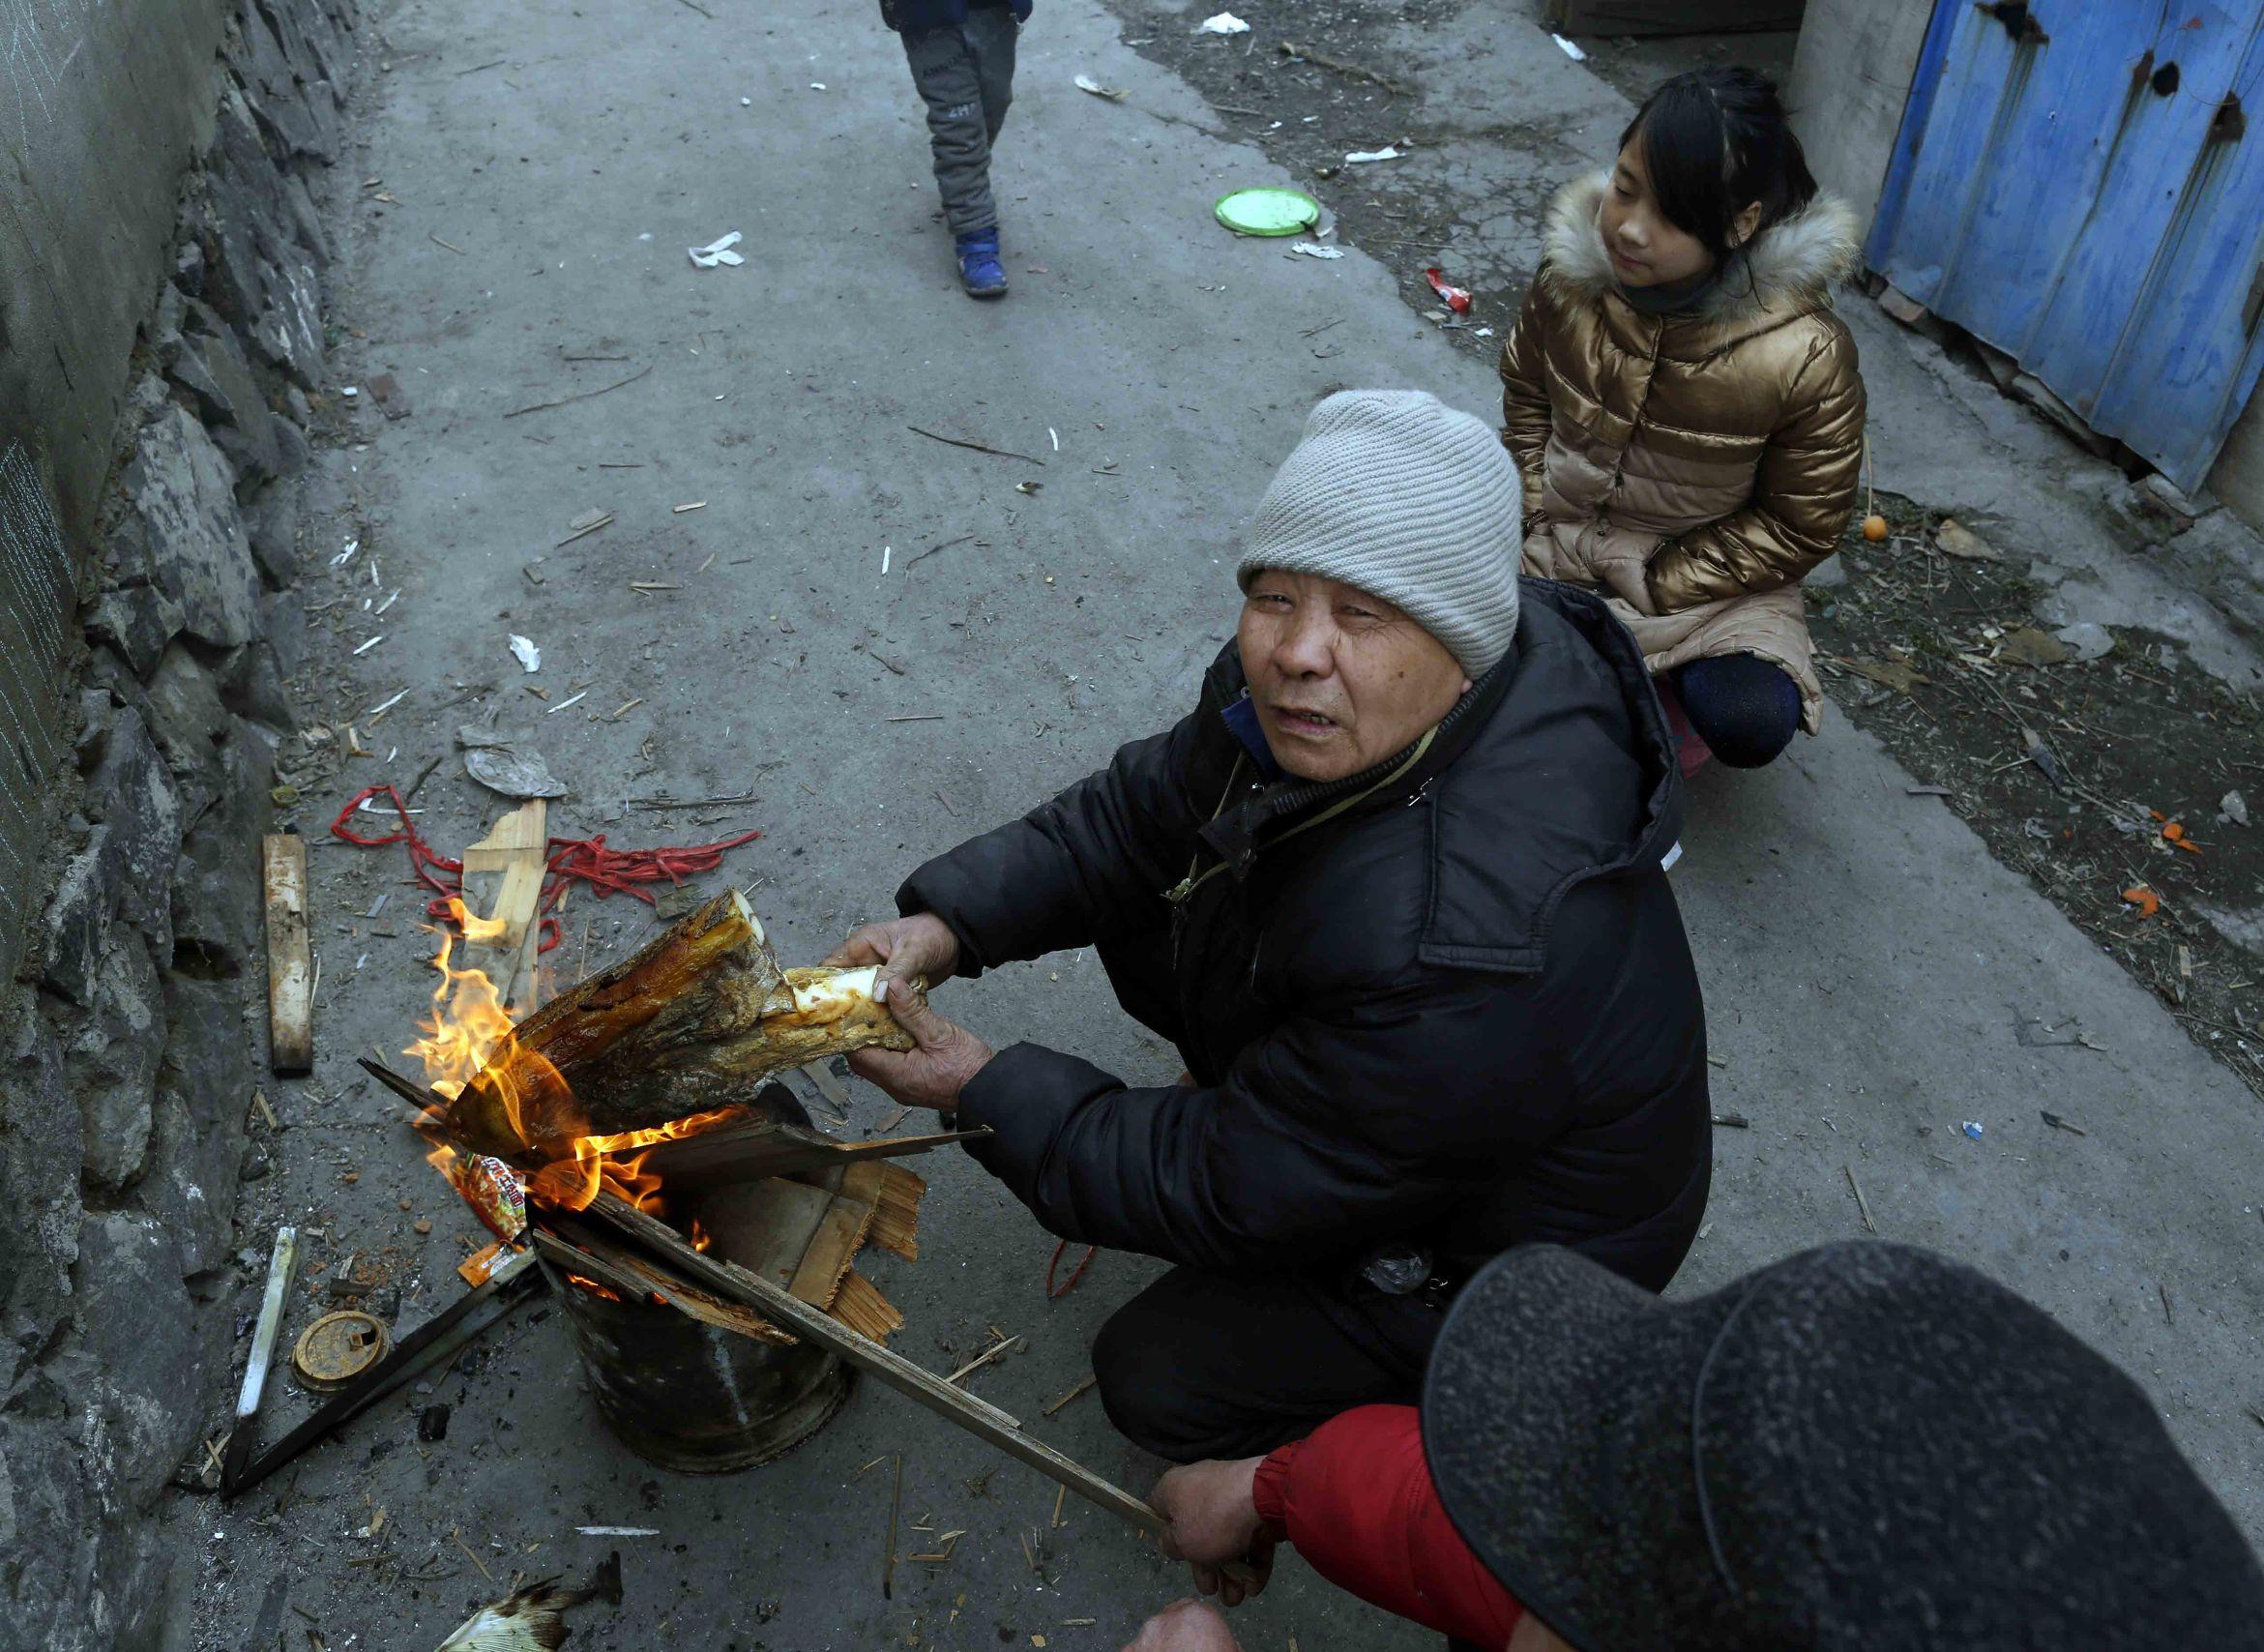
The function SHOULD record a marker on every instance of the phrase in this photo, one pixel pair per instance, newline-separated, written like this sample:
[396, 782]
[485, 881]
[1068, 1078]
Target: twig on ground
[975, 447]
[913, 561]
[983, 1358]
[579, 396]
[1071, 1395]
[1862, 1203]
[458, 1538]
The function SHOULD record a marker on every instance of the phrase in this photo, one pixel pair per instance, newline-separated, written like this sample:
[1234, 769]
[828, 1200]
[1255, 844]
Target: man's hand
[1186, 1626]
[1211, 1512]
[919, 947]
[933, 1074]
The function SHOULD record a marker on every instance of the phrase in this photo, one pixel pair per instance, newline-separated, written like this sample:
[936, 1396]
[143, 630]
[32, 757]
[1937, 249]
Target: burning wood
[688, 1025]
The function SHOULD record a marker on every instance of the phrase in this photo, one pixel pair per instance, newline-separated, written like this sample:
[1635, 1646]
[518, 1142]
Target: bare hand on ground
[933, 1074]
[1186, 1626]
[920, 948]
[1212, 1514]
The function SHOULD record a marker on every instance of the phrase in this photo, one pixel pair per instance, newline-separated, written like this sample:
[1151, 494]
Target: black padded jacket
[1447, 1002]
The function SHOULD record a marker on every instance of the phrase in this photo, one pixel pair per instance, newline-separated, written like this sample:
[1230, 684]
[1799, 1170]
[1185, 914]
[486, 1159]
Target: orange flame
[468, 1019]
[469, 1033]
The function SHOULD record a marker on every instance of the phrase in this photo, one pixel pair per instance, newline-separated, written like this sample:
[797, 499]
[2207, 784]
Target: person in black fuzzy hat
[1863, 1446]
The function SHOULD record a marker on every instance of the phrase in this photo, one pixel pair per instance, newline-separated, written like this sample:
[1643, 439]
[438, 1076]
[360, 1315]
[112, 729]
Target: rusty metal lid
[338, 1348]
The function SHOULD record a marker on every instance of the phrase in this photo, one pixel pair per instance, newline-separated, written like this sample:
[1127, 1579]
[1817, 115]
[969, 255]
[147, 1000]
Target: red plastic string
[566, 859]
[1075, 1274]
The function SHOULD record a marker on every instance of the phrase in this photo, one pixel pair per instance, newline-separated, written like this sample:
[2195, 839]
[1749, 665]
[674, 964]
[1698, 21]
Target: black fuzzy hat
[1865, 1446]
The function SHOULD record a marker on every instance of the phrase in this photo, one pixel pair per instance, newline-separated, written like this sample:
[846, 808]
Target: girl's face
[1646, 249]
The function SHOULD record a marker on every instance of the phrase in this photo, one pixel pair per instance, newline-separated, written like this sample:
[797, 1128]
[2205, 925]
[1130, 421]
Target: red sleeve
[1356, 1500]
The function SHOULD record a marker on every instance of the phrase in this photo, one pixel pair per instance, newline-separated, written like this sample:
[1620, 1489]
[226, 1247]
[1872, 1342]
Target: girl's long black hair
[1715, 140]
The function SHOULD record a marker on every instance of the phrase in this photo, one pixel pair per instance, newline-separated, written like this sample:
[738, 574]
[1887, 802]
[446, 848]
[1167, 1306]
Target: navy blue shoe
[979, 271]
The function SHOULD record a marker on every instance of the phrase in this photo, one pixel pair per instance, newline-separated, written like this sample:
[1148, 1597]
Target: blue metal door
[2082, 184]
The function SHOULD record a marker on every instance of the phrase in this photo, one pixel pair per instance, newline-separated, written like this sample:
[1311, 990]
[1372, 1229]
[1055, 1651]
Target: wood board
[290, 958]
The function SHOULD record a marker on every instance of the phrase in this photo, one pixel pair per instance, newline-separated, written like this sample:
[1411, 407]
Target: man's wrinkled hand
[1211, 1516]
[1186, 1626]
[920, 948]
[946, 1059]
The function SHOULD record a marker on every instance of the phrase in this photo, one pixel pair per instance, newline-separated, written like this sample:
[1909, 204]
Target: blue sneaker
[979, 271]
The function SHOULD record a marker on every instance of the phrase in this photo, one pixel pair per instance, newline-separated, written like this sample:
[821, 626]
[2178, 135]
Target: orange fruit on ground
[1874, 528]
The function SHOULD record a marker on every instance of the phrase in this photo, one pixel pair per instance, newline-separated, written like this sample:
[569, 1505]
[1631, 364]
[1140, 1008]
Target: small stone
[76, 924]
[135, 620]
[182, 532]
[1955, 539]
[2086, 641]
[422, 1224]
[140, 1327]
[97, 712]
[111, 1054]
[217, 902]
[133, 793]
[392, 400]
[251, 686]
[2233, 809]
[185, 716]
[2025, 645]
[1901, 306]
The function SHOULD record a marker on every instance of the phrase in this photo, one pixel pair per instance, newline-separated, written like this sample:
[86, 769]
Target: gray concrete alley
[536, 171]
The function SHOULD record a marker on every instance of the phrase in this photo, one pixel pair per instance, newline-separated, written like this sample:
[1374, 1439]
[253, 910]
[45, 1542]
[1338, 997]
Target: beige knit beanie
[1395, 492]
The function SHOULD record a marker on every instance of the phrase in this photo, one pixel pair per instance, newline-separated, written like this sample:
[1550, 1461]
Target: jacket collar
[1526, 806]
[1788, 271]
[1235, 832]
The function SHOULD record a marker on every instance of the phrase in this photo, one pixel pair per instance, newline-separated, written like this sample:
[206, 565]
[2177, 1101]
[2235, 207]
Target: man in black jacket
[1395, 890]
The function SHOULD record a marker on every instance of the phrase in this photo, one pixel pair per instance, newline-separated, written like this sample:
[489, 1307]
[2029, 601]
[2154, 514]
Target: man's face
[1341, 680]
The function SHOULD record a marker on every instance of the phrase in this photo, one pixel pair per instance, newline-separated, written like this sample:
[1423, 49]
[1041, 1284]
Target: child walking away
[963, 57]
[1685, 406]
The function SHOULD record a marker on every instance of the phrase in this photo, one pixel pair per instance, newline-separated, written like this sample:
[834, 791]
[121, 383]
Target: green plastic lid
[1268, 212]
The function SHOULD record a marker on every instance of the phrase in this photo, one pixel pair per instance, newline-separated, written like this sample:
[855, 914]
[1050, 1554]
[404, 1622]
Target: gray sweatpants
[967, 76]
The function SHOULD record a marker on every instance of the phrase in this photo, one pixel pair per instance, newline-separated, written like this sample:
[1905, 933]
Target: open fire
[468, 1034]
[645, 1093]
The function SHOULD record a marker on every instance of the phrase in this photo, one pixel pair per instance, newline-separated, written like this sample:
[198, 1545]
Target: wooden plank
[573, 1244]
[763, 1147]
[290, 957]
[835, 1246]
[503, 872]
[859, 1306]
[574, 1262]
[766, 1225]
[979, 1418]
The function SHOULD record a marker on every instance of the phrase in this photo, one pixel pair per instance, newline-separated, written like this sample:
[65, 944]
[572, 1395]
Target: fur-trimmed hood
[1791, 267]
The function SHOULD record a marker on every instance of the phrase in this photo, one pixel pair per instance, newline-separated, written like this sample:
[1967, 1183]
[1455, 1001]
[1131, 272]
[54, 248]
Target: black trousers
[1203, 1365]
[1217, 1364]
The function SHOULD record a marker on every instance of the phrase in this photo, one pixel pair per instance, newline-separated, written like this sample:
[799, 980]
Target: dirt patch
[1308, 113]
[2105, 781]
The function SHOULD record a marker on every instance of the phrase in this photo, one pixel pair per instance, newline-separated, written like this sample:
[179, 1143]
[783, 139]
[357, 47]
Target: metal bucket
[689, 1396]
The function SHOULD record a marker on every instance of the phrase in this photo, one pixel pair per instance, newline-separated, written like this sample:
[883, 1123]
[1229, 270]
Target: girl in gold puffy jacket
[1685, 407]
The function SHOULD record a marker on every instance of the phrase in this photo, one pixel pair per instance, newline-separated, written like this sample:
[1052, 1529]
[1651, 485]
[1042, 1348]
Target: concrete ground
[1874, 979]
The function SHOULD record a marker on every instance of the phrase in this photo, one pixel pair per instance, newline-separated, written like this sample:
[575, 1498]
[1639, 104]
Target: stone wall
[148, 629]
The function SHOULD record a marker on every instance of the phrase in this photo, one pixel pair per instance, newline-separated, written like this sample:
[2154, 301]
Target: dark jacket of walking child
[962, 58]
[1685, 407]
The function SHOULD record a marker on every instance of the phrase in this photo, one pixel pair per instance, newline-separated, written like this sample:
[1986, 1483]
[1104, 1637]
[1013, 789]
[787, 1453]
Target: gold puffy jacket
[1695, 466]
